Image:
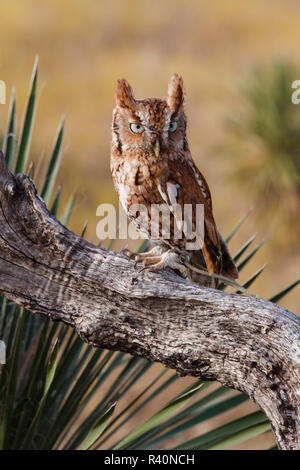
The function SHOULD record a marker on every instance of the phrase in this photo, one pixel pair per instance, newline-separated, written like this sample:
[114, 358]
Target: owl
[152, 167]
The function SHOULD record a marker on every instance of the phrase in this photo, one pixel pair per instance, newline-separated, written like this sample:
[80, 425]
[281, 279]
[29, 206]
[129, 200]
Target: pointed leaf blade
[241, 436]
[96, 432]
[238, 225]
[284, 291]
[9, 140]
[68, 210]
[26, 133]
[55, 204]
[158, 417]
[53, 164]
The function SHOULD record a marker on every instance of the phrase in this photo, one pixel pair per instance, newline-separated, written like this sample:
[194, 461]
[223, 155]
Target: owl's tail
[229, 268]
[208, 259]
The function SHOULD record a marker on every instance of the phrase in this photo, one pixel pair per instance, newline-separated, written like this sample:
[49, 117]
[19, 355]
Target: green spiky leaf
[68, 210]
[158, 417]
[55, 204]
[53, 164]
[210, 438]
[238, 225]
[26, 133]
[284, 291]
[10, 138]
[96, 432]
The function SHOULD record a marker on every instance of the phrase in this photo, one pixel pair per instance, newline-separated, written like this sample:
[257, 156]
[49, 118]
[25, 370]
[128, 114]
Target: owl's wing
[185, 184]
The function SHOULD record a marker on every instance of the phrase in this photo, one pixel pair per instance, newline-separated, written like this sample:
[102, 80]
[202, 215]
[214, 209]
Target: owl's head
[150, 125]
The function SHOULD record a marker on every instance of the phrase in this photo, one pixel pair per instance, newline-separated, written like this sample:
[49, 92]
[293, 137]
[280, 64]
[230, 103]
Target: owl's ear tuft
[175, 92]
[124, 94]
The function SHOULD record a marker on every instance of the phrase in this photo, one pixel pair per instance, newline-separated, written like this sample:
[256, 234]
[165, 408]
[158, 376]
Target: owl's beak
[156, 148]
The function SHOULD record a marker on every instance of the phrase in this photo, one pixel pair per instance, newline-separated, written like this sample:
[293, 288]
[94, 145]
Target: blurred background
[238, 63]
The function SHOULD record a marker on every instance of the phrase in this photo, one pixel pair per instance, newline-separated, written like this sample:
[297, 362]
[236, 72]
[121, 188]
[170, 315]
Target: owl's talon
[169, 259]
[144, 257]
[145, 268]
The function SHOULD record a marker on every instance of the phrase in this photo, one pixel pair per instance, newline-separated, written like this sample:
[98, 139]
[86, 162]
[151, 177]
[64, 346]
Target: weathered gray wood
[243, 342]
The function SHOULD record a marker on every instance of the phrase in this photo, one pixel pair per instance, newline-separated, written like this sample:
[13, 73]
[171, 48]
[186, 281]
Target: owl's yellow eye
[136, 128]
[173, 126]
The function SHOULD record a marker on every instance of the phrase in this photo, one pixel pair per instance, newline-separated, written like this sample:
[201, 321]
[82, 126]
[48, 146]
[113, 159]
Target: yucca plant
[52, 385]
[263, 143]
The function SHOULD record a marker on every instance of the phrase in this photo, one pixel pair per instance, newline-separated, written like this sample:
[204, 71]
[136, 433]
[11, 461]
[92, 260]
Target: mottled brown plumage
[151, 164]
